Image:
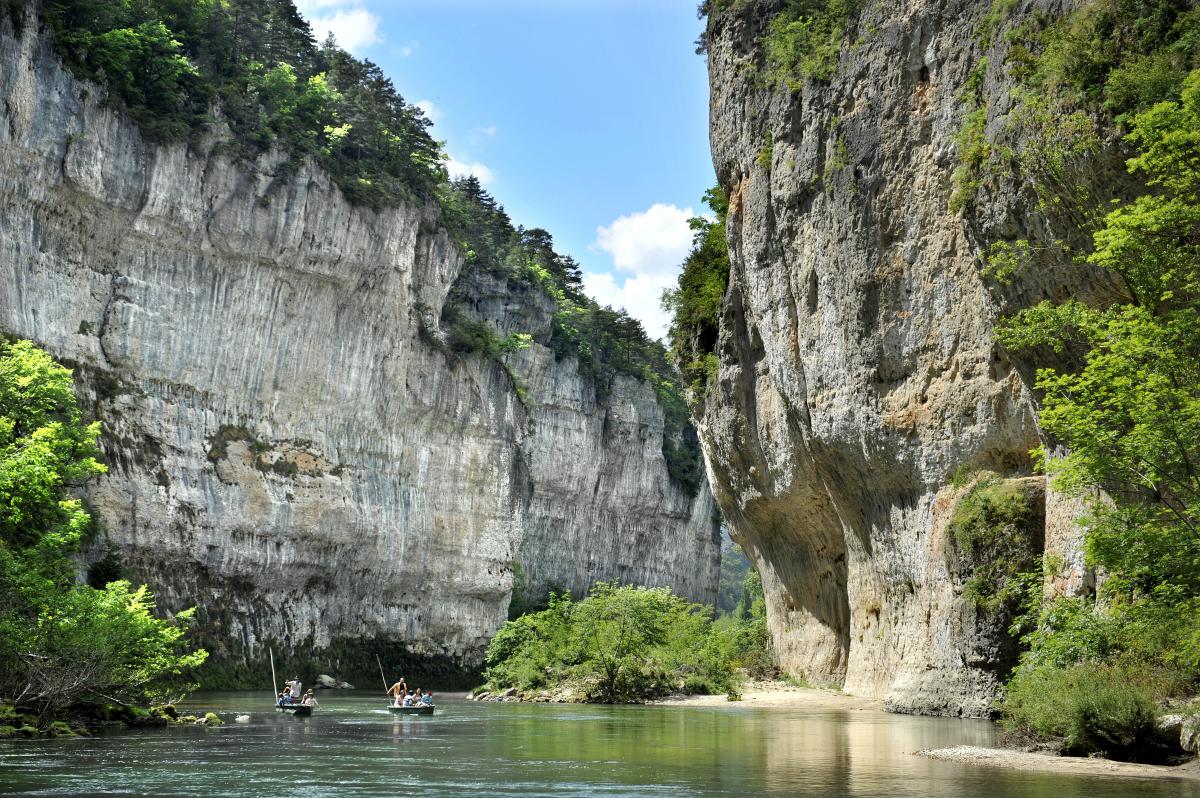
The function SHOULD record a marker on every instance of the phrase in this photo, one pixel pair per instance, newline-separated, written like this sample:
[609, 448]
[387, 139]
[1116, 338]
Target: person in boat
[397, 691]
[417, 697]
[285, 698]
[408, 700]
[296, 687]
[427, 699]
[310, 700]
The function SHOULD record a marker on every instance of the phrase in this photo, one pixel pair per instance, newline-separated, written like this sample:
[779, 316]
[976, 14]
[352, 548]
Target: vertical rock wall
[859, 369]
[290, 445]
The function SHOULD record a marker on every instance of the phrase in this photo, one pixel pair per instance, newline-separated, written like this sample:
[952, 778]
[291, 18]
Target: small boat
[424, 709]
[296, 710]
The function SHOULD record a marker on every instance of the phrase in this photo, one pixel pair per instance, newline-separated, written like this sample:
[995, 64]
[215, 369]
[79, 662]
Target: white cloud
[459, 168]
[404, 51]
[431, 111]
[640, 296]
[651, 245]
[654, 241]
[353, 26]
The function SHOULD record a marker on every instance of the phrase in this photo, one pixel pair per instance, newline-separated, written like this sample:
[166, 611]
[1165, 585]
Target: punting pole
[274, 684]
[381, 676]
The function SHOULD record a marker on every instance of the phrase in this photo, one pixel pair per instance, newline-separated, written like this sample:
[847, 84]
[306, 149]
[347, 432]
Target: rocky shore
[1050, 763]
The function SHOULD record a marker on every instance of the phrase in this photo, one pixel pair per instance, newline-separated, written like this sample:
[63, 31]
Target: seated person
[285, 698]
[427, 699]
[310, 700]
[408, 700]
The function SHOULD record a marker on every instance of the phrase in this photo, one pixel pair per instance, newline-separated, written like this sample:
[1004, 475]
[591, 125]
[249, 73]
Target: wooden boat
[424, 709]
[297, 710]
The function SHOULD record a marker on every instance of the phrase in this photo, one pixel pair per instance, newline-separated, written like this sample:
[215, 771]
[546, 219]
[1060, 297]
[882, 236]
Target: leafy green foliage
[695, 305]
[1129, 416]
[1091, 708]
[992, 528]
[61, 642]
[1103, 62]
[804, 39]
[617, 644]
[742, 637]
[168, 63]
[735, 565]
[1124, 55]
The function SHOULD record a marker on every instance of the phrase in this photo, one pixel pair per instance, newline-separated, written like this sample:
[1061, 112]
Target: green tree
[1129, 417]
[615, 631]
[695, 304]
[620, 643]
[62, 642]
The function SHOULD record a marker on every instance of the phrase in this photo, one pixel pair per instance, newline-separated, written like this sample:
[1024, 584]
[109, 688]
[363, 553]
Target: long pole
[274, 684]
[381, 676]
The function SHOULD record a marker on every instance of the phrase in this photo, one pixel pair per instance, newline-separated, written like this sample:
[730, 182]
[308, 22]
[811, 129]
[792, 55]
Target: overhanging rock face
[289, 446]
[859, 371]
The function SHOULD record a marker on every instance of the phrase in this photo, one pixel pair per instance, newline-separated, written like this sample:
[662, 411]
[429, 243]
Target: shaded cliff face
[291, 445]
[859, 370]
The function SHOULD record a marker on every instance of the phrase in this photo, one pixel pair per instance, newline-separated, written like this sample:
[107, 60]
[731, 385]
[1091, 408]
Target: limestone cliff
[291, 445]
[859, 371]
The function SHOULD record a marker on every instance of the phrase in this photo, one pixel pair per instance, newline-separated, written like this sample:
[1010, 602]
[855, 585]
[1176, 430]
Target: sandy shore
[780, 695]
[1022, 760]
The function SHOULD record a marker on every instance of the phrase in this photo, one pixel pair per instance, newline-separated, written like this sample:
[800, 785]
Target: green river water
[352, 747]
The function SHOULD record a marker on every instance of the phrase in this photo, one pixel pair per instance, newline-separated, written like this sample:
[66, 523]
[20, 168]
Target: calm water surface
[352, 747]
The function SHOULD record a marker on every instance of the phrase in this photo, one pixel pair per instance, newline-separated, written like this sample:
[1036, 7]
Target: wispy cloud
[458, 168]
[650, 245]
[430, 109]
[352, 25]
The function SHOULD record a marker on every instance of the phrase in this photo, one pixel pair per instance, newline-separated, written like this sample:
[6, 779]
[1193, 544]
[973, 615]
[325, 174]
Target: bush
[618, 644]
[804, 40]
[1091, 707]
[992, 528]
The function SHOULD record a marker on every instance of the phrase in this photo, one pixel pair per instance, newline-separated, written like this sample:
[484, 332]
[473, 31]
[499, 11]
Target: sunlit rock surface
[291, 446]
[859, 368]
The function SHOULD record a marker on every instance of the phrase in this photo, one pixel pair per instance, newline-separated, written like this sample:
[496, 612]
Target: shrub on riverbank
[1092, 708]
[618, 644]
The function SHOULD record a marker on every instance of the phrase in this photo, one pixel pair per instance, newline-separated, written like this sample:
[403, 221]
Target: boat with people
[290, 701]
[402, 701]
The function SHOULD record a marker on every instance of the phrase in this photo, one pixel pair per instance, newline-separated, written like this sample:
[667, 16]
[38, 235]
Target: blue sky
[586, 117]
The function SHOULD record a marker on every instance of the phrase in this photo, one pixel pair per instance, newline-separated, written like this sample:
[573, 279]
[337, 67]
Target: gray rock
[1189, 734]
[859, 366]
[326, 682]
[1170, 725]
[292, 447]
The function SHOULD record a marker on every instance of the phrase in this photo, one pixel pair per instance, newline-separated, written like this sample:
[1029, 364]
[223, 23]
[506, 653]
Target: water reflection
[353, 746]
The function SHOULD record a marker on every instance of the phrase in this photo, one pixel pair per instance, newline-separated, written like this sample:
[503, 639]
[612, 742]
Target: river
[351, 747]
